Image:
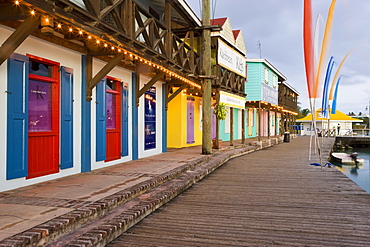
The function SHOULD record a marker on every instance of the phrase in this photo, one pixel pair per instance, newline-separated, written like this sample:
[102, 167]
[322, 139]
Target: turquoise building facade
[261, 88]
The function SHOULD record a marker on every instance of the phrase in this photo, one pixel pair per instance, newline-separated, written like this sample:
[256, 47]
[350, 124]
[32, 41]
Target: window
[40, 69]
[274, 81]
[266, 75]
[39, 106]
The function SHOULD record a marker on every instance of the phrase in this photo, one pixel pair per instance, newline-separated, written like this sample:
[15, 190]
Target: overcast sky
[277, 25]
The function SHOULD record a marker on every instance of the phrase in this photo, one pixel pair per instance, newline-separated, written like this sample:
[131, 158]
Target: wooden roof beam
[101, 74]
[18, 36]
[158, 76]
[177, 92]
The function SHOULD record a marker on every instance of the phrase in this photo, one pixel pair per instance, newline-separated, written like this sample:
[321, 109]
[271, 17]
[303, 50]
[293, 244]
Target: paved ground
[271, 197]
[46, 212]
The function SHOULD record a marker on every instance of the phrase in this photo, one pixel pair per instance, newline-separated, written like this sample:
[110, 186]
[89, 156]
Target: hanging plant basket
[220, 111]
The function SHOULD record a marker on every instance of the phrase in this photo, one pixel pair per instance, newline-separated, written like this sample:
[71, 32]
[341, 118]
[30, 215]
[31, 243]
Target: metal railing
[342, 132]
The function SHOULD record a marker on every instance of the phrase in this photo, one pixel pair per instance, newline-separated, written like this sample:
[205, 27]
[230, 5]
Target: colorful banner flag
[325, 101]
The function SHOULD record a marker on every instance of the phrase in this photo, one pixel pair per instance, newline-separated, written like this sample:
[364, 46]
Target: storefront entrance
[113, 119]
[190, 120]
[43, 117]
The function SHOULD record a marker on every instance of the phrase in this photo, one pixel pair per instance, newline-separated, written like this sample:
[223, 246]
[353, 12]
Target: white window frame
[266, 75]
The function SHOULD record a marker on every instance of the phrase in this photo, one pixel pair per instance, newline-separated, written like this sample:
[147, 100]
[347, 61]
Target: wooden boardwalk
[271, 197]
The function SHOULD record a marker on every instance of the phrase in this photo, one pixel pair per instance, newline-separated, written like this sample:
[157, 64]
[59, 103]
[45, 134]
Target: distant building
[288, 104]
[338, 119]
[271, 102]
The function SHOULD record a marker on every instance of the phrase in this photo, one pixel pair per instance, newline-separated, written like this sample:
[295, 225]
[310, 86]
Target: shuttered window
[17, 127]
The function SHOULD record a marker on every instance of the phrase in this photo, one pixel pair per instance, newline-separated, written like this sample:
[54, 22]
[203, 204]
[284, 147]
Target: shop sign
[232, 100]
[231, 59]
[270, 95]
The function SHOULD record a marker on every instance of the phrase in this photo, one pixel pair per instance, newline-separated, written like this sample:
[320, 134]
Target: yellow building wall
[177, 122]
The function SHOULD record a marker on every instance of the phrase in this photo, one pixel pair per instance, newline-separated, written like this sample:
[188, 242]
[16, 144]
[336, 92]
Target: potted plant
[220, 111]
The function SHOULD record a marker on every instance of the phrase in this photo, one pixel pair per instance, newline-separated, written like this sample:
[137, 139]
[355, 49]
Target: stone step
[105, 229]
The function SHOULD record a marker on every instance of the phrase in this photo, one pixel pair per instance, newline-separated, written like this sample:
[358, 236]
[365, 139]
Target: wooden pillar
[217, 121]
[207, 90]
[231, 126]
[130, 18]
[243, 126]
[89, 65]
[259, 120]
[168, 37]
[268, 121]
[276, 123]
[137, 86]
[18, 37]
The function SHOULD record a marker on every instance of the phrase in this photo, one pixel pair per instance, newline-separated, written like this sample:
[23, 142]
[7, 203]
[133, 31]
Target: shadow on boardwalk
[267, 198]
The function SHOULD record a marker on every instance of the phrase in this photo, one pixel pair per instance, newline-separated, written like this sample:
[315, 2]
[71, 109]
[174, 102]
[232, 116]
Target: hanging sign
[230, 59]
[269, 94]
[232, 100]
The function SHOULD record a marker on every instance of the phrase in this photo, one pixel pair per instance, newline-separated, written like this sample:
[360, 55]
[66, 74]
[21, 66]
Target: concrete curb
[137, 202]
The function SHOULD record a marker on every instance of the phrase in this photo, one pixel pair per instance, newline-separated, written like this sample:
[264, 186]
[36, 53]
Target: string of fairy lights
[273, 106]
[115, 48]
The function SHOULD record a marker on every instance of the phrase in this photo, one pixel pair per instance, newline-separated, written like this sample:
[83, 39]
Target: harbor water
[360, 174]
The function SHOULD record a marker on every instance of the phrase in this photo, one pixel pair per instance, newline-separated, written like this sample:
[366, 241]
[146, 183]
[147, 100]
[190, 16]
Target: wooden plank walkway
[267, 198]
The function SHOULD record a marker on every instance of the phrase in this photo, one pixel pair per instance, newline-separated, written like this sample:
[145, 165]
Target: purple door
[213, 120]
[190, 120]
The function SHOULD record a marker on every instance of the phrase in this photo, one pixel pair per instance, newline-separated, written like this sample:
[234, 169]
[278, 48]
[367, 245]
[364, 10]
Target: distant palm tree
[302, 112]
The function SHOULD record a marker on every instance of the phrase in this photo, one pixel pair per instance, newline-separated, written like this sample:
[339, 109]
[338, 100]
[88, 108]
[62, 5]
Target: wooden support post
[150, 84]
[177, 92]
[130, 18]
[259, 121]
[18, 36]
[276, 124]
[168, 37]
[137, 85]
[89, 64]
[231, 126]
[207, 90]
[217, 146]
[102, 73]
[243, 126]
[268, 121]
[167, 92]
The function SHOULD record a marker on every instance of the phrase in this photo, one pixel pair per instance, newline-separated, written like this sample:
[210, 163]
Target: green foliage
[302, 112]
[220, 111]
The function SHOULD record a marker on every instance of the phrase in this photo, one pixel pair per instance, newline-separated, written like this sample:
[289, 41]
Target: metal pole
[207, 90]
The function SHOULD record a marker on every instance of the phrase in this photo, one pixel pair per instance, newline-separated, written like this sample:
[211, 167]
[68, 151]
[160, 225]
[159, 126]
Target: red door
[43, 117]
[113, 121]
